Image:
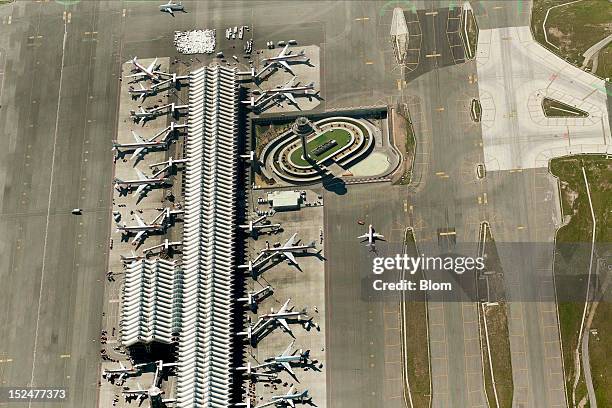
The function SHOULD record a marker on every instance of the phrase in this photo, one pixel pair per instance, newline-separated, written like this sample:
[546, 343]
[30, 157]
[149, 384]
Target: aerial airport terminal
[221, 204]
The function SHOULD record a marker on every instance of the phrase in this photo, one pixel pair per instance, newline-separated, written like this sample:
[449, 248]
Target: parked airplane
[142, 183]
[143, 92]
[122, 371]
[170, 7]
[288, 90]
[371, 236]
[284, 313]
[141, 228]
[251, 371]
[288, 399]
[282, 58]
[258, 224]
[141, 71]
[286, 357]
[288, 248]
[140, 145]
[153, 393]
[254, 297]
[142, 115]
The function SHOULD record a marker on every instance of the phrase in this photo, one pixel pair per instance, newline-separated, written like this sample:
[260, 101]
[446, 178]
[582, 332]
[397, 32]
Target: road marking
[113, 301]
[46, 234]
[64, 355]
[369, 63]
[520, 227]
[433, 55]
[440, 109]
[7, 360]
[431, 13]
[485, 197]
[362, 19]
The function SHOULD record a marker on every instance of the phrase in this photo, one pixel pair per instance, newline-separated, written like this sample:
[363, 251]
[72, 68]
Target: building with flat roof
[285, 200]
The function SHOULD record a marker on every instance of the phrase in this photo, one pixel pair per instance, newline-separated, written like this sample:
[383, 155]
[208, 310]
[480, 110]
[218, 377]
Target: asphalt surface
[363, 343]
[56, 125]
[56, 157]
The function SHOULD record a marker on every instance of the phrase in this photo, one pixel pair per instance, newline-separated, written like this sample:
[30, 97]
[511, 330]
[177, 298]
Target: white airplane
[258, 224]
[288, 90]
[142, 182]
[288, 399]
[142, 71]
[282, 58]
[143, 92]
[287, 357]
[153, 392]
[142, 115]
[122, 371]
[140, 145]
[371, 236]
[288, 248]
[170, 7]
[250, 370]
[141, 228]
[253, 298]
[284, 313]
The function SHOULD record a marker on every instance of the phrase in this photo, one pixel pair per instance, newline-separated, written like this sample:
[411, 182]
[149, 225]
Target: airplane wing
[290, 257]
[283, 308]
[137, 153]
[285, 65]
[283, 322]
[289, 96]
[141, 175]
[138, 237]
[288, 349]
[287, 367]
[377, 235]
[283, 52]
[141, 189]
[290, 241]
[137, 137]
[362, 236]
[291, 403]
[139, 220]
[151, 67]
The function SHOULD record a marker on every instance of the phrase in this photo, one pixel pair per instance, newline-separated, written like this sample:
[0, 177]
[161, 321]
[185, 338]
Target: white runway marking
[42, 275]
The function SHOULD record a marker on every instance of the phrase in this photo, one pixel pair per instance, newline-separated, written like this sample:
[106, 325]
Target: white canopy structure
[205, 344]
[149, 302]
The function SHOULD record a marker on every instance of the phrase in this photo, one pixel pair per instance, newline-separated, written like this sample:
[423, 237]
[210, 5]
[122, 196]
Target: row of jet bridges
[259, 101]
[161, 176]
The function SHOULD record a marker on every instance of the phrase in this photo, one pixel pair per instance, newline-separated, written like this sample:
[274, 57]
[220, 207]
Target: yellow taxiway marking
[484, 198]
[516, 171]
[431, 13]
[520, 227]
[362, 18]
[6, 360]
[443, 234]
[440, 109]
[64, 355]
[369, 62]
[498, 7]
[433, 55]
[479, 200]
[399, 84]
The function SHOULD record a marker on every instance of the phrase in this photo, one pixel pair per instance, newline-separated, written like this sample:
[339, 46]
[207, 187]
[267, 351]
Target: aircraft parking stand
[154, 199]
[306, 289]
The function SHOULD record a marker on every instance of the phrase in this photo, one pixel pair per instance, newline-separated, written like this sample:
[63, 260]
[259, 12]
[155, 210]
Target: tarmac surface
[57, 119]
